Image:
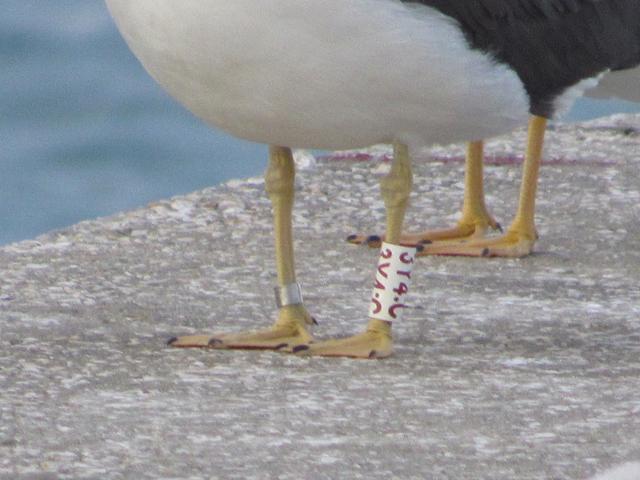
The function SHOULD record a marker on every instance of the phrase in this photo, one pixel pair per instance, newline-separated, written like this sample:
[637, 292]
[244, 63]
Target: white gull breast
[323, 74]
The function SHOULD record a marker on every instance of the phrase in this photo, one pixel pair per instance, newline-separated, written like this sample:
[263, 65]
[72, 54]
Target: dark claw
[351, 238]
[499, 228]
[300, 348]
[426, 241]
[373, 354]
[314, 321]
[215, 342]
[419, 248]
[281, 346]
[172, 340]
[373, 239]
[485, 252]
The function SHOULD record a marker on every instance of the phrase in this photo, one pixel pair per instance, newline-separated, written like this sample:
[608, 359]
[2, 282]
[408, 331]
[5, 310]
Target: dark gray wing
[551, 44]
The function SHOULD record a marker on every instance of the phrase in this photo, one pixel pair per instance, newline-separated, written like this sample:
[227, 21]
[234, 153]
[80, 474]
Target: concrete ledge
[522, 369]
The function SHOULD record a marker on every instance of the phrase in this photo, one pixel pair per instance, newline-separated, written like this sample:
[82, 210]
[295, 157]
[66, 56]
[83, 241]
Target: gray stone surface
[504, 369]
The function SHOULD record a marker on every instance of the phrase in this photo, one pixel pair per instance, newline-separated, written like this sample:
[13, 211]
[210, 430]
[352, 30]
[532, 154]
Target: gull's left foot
[469, 228]
[375, 342]
[287, 332]
[371, 241]
[510, 245]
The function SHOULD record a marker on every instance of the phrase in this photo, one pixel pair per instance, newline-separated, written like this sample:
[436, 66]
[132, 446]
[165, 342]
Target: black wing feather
[551, 44]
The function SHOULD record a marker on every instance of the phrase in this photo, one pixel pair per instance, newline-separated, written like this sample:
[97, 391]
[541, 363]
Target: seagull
[342, 74]
[619, 84]
[468, 236]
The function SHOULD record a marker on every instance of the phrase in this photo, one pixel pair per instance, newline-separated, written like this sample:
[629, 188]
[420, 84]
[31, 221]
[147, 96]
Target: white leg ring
[393, 279]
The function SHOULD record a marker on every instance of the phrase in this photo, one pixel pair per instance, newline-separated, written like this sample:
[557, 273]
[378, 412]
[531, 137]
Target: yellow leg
[519, 239]
[475, 220]
[376, 341]
[289, 329]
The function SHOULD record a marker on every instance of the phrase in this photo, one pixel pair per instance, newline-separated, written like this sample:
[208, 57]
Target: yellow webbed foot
[288, 331]
[375, 342]
[464, 230]
[475, 220]
[511, 245]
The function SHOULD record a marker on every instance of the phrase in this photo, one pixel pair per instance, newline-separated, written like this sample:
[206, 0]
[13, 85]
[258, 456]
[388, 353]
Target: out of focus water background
[84, 132]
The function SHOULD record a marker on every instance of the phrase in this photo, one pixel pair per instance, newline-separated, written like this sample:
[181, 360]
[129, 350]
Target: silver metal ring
[288, 295]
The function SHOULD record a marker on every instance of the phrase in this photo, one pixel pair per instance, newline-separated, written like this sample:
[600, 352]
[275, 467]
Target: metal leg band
[288, 295]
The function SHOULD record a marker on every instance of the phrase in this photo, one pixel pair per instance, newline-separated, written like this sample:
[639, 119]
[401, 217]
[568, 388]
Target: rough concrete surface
[504, 369]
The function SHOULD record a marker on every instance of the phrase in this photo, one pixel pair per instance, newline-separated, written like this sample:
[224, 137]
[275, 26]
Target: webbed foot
[288, 331]
[510, 245]
[375, 342]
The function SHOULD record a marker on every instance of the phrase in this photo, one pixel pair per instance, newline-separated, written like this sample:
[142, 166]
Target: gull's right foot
[375, 342]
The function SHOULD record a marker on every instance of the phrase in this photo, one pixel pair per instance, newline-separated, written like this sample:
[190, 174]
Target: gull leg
[520, 237]
[376, 340]
[289, 329]
[475, 220]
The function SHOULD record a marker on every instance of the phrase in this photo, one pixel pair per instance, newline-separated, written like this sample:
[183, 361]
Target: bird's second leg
[395, 264]
[290, 327]
[521, 235]
[474, 222]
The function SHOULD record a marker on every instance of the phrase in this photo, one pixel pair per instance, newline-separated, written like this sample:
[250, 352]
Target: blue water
[84, 132]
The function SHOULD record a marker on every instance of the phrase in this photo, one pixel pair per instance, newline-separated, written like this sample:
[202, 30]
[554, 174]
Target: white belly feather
[322, 74]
